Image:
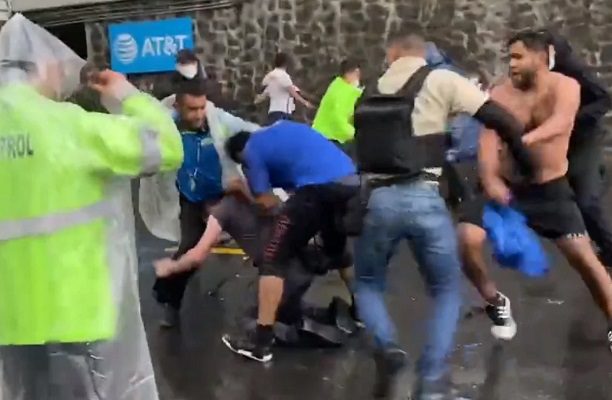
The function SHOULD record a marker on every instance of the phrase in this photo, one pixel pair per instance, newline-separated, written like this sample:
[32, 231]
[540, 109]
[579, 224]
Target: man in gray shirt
[252, 230]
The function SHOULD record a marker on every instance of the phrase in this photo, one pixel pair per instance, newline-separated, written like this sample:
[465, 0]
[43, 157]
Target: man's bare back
[547, 131]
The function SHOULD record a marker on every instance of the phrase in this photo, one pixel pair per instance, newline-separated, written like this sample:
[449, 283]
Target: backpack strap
[413, 86]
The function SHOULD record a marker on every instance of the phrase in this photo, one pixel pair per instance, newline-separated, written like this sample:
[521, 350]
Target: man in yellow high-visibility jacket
[60, 246]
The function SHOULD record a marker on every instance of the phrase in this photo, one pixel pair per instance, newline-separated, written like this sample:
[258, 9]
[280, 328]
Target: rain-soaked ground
[558, 354]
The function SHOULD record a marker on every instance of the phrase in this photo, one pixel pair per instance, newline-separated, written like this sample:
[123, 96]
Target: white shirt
[277, 83]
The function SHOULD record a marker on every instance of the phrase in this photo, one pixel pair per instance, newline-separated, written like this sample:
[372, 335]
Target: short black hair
[236, 144]
[348, 65]
[186, 56]
[533, 40]
[407, 40]
[281, 60]
[195, 87]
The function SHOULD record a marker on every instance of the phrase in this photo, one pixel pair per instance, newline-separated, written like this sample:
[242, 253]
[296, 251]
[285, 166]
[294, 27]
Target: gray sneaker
[171, 317]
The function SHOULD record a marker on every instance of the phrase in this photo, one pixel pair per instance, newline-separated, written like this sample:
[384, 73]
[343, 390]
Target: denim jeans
[414, 211]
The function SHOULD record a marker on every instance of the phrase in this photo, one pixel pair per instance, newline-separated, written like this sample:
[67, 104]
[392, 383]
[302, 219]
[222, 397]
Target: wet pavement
[558, 354]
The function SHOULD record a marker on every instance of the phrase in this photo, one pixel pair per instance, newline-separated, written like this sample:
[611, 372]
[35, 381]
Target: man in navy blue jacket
[585, 153]
[200, 180]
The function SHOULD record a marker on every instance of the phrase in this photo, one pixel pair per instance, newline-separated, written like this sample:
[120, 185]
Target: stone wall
[240, 42]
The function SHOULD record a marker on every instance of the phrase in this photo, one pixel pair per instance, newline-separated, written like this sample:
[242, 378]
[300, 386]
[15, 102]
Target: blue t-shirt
[199, 178]
[290, 155]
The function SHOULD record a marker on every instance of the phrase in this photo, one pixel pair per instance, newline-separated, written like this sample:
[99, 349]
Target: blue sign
[139, 47]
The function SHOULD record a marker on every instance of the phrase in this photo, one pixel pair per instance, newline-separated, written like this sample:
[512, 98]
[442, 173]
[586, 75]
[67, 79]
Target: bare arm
[561, 122]
[489, 163]
[194, 257]
[296, 95]
[208, 240]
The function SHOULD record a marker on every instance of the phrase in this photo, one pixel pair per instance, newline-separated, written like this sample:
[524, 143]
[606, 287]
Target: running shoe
[504, 327]
[248, 347]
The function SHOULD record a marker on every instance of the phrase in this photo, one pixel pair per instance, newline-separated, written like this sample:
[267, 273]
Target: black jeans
[275, 116]
[584, 174]
[312, 209]
[193, 218]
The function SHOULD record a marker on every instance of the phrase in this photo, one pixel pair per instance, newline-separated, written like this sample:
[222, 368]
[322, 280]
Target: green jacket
[334, 118]
[56, 164]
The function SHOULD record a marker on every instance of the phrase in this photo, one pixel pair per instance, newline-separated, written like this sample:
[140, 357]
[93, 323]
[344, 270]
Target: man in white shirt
[280, 89]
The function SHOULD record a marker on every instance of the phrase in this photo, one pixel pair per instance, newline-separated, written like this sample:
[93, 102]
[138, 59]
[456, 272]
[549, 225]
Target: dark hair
[348, 65]
[186, 56]
[407, 40]
[236, 144]
[533, 40]
[281, 60]
[195, 87]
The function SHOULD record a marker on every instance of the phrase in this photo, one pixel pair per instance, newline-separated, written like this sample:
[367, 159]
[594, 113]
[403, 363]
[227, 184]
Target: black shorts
[550, 208]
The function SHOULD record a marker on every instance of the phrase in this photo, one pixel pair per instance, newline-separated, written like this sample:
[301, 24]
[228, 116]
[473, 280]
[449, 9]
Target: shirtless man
[546, 103]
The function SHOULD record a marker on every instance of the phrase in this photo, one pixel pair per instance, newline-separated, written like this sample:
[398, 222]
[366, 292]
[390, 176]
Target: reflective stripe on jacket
[56, 164]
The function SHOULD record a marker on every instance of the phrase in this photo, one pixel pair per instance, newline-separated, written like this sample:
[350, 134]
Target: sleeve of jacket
[142, 141]
[231, 125]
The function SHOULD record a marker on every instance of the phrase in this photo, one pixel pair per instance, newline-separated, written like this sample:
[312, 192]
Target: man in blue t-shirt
[322, 178]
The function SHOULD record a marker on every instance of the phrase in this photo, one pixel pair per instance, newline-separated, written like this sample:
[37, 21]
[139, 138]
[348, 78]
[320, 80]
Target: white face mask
[189, 71]
[551, 57]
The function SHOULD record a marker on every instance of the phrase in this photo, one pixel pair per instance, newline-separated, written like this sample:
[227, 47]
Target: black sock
[264, 335]
[499, 301]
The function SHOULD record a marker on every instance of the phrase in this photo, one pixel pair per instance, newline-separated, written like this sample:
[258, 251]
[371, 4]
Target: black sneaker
[504, 327]
[246, 347]
[610, 338]
[389, 365]
[171, 317]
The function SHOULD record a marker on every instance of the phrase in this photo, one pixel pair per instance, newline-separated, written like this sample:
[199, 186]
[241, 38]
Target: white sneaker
[504, 327]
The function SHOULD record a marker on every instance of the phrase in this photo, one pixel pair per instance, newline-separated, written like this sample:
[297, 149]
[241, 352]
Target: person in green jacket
[334, 118]
[70, 325]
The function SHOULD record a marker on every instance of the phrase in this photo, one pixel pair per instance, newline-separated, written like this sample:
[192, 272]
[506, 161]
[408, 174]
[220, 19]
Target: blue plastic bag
[514, 244]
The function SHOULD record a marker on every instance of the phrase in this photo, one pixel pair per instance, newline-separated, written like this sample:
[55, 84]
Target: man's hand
[497, 191]
[268, 201]
[239, 187]
[107, 82]
[167, 266]
[528, 139]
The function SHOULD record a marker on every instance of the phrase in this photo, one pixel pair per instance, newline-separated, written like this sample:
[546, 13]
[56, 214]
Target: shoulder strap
[412, 87]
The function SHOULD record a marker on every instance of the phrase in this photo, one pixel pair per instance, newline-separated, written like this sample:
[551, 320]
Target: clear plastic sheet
[115, 368]
[158, 199]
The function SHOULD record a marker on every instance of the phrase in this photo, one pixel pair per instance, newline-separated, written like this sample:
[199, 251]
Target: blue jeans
[414, 211]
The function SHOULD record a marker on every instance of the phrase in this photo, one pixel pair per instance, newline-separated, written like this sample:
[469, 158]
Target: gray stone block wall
[240, 42]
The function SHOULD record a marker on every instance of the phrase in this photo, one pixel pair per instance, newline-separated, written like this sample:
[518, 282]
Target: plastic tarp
[116, 369]
[514, 244]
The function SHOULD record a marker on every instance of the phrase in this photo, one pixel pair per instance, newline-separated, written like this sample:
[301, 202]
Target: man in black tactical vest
[400, 147]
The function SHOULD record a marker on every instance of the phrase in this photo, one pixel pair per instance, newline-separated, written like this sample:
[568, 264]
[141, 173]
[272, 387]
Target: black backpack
[384, 140]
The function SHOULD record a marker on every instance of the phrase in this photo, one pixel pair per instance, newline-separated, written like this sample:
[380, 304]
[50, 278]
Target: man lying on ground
[252, 230]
